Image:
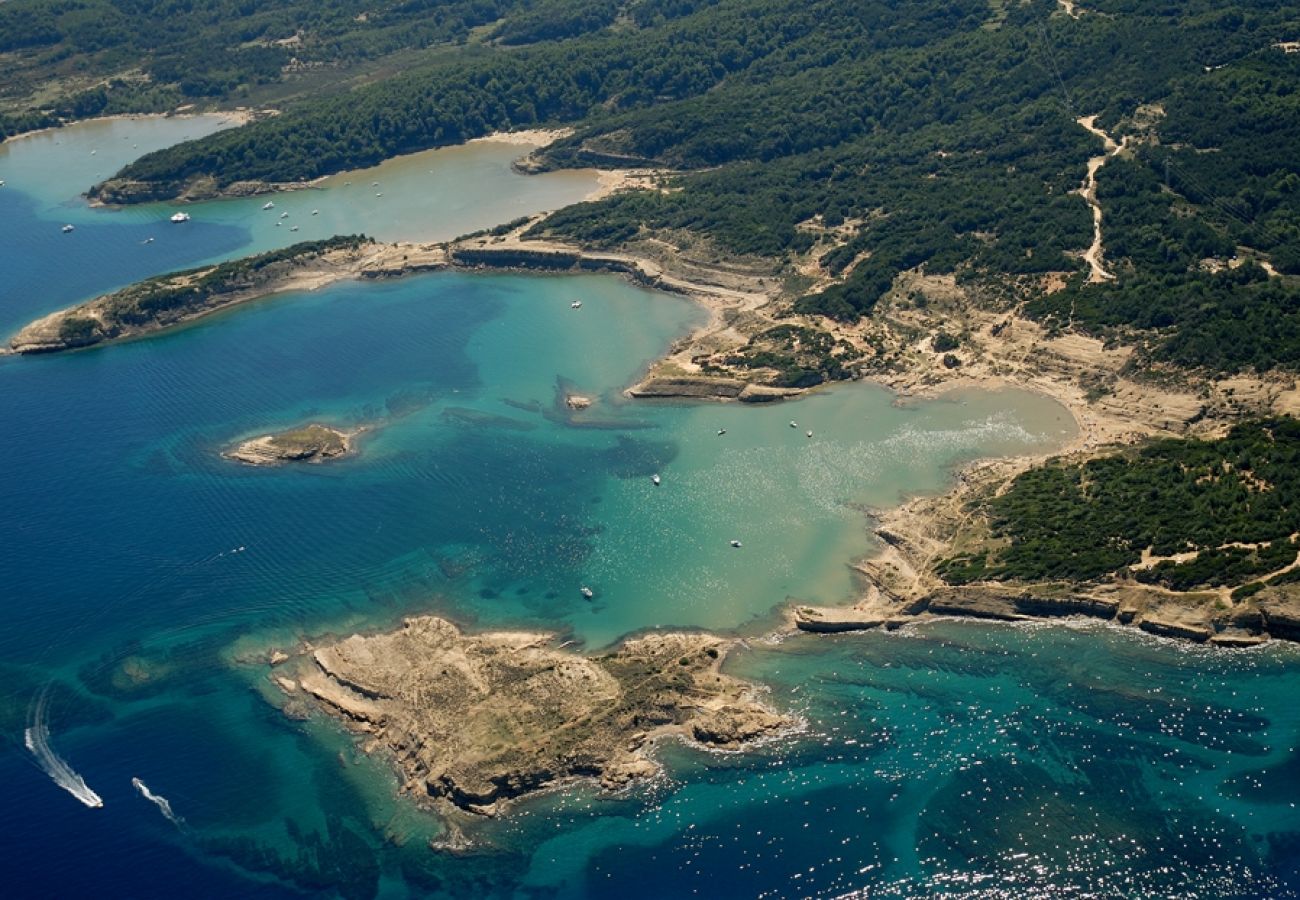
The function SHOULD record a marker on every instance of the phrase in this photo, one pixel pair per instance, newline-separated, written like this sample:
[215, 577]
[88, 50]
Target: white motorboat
[67, 228]
[576, 304]
[180, 217]
[587, 592]
[736, 543]
[654, 478]
[268, 205]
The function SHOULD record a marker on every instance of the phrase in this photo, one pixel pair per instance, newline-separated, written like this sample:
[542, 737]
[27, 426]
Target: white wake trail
[37, 739]
[163, 804]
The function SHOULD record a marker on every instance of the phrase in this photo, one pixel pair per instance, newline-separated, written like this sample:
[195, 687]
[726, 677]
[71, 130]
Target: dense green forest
[1088, 520]
[201, 50]
[934, 133]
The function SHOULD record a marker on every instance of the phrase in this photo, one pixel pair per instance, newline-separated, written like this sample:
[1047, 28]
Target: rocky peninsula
[176, 298]
[478, 720]
[312, 443]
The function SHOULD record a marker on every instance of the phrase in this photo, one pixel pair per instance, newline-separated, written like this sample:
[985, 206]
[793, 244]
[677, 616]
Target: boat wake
[163, 804]
[37, 739]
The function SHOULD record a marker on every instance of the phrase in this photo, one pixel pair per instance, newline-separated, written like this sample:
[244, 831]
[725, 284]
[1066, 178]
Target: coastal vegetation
[174, 297]
[880, 137]
[1219, 512]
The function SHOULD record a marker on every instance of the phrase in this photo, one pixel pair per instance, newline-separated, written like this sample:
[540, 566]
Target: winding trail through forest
[1088, 190]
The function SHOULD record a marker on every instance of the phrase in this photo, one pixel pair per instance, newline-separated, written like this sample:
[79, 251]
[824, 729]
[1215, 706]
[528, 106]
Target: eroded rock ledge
[481, 719]
[1200, 618]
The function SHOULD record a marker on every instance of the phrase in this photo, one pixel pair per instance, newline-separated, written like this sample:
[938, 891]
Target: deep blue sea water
[144, 579]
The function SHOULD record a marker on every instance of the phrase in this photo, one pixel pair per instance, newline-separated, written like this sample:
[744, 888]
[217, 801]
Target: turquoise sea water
[143, 576]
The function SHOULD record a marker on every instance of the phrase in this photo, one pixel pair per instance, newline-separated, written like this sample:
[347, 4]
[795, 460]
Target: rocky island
[477, 720]
[311, 444]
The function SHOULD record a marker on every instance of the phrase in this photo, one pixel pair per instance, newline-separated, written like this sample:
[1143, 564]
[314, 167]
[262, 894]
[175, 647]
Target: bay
[144, 576]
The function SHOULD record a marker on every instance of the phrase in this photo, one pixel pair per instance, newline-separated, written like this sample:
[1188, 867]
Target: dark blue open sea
[143, 579]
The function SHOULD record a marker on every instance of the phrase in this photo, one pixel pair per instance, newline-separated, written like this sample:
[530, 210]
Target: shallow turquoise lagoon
[141, 572]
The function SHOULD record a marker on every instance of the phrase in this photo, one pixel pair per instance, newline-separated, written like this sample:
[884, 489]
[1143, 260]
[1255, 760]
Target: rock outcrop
[310, 444]
[480, 719]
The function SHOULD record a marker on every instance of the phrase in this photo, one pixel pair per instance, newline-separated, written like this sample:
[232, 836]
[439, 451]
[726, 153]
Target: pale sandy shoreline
[234, 117]
[528, 137]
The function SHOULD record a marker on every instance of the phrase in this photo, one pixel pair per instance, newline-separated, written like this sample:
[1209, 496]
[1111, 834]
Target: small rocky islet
[312, 443]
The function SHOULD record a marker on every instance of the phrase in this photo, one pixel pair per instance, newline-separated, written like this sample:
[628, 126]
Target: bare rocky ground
[477, 720]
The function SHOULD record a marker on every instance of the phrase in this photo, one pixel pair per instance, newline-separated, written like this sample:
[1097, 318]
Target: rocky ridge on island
[313, 443]
[478, 720]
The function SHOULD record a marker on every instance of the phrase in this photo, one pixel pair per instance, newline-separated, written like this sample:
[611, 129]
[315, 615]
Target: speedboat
[735, 543]
[794, 424]
[67, 228]
[180, 217]
[721, 432]
[294, 228]
[654, 478]
[576, 304]
[268, 205]
[809, 434]
[284, 215]
[315, 212]
[587, 592]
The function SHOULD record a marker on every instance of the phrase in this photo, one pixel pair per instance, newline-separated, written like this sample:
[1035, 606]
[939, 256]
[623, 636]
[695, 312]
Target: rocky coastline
[313, 444]
[474, 721]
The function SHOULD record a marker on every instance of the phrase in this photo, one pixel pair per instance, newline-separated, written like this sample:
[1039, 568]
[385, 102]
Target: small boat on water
[294, 228]
[180, 217]
[268, 205]
[315, 212]
[736, 543]
[794, 424]
[2, 182]
[809, 434]
[147, 240]
[654, 478]
[721, 432]
[587, 592]
[67, 228]
[576, 304]
[284, 215]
